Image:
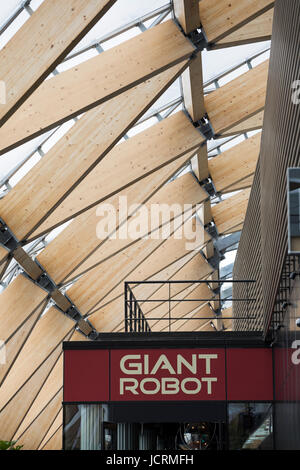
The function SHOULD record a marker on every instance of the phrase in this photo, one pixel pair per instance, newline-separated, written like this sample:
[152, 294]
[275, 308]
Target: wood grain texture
[127, 163]
[194, 323]
[51, 180]
[229, 213]
[192, 88]
[220, 18]
[238, 100]
[50, 388]
[235, 164]
[111, 316]
[12, 414]
[259, 29]
[79, 88]
[40, 44]
[251, 124]
[47, 334]
[187, 14]
[17, 302]
[34, 435]
[81, 239]
[243, 184]
[140, 261]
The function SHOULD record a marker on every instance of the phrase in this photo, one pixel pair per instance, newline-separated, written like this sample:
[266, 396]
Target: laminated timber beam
[187, 14]
[13, 412]
[257, 30]
[51, 386]
[252, 124]
[140, 261]
[50, 330]
[200, 163]
[195, 268]
[68, 162]
[230, 213]
[79, 246]
[236, 164]
[190, 264]
[238, 100]
[79, 89]
[191, 301]
[41, 43]
[195, 322]
[220, 18]
[110, 317]
[243, 184]
[127, 163]
[145, 291]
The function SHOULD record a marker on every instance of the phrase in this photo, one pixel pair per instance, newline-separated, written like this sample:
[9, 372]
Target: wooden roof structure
[49, 277]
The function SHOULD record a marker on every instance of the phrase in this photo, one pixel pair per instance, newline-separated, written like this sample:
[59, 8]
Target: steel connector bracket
[198, 38]
[7, 238]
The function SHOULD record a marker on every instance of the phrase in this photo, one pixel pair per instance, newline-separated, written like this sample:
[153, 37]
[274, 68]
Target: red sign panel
[168, 374]
[249, 374]
[86, 375]
[233, 374]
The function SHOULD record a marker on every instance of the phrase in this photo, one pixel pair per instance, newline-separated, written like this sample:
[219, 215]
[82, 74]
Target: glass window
[250, 426]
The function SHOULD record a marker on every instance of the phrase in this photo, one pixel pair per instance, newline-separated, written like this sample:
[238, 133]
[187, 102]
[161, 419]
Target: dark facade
[263, 246]
[263, 249]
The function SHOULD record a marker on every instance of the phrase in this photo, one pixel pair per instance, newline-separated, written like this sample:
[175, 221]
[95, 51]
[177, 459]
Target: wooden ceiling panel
[34, 435]
[45, 337]
[79, 88]
[22, 297]
[183, 190]
[51, 180]
[41, 43]
[220, 18]
[231, 212]
[253, 123]
[140, 261]
[243, 184]
[195, 322]
[12, 414]
[235, 164]
[259, 29]
[127, 163]
[239, 99]
[185, 309]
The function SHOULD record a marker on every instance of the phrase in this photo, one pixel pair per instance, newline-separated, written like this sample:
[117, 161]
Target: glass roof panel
[218, 61]
[121, 13]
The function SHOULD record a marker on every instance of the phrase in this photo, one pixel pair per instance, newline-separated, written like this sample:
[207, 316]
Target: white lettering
[131, 388]
[135, 368]
[182, 361]
[153, 391]
[209, 380]
[163, 363]
[191, 391]
[169, 386]
[208, 358]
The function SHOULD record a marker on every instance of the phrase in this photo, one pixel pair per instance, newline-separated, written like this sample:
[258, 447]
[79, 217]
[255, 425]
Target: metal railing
[137, 321]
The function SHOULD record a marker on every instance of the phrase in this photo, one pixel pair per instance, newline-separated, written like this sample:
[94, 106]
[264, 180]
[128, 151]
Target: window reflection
[250, 426]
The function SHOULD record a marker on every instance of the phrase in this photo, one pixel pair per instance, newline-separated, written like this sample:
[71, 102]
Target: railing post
[126, 307]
